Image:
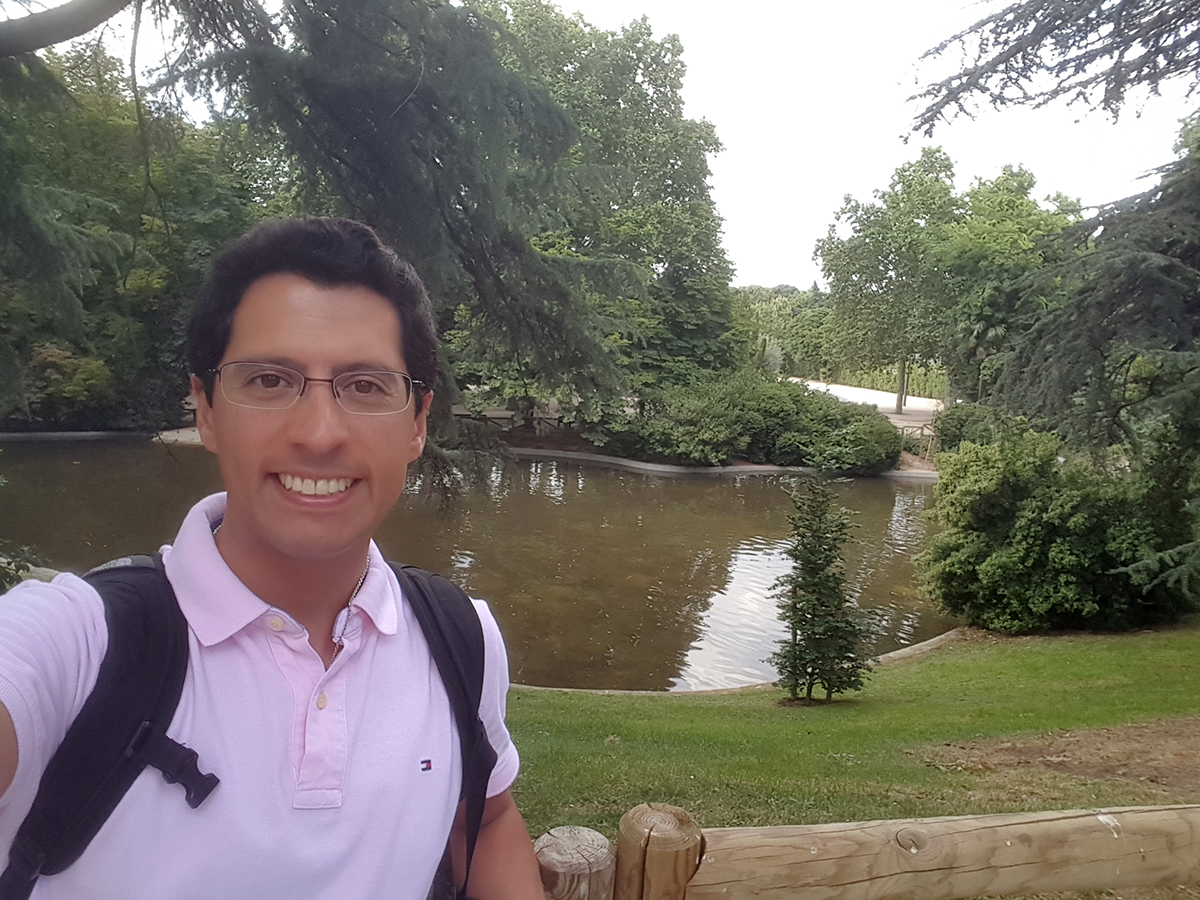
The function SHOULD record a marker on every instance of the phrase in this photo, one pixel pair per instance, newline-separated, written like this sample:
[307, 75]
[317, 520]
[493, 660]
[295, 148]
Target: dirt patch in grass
[1154, 763]
[1162, 756]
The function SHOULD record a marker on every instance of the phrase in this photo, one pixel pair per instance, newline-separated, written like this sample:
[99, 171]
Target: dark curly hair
[328, 252]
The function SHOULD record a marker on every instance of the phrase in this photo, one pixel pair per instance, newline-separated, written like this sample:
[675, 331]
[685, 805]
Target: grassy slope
[741, 759]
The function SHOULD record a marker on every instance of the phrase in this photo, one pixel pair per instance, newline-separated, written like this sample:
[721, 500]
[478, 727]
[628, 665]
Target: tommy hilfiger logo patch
[426, 765]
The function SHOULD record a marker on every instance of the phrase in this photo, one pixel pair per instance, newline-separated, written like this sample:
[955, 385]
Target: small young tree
[825, 631]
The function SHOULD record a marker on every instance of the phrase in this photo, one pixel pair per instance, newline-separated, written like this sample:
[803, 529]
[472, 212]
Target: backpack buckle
[178, 764]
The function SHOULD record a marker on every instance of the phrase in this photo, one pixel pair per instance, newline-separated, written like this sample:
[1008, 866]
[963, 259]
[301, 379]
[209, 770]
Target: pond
[599, 578]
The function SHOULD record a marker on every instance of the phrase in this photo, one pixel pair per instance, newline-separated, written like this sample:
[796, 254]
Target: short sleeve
[493, 703]
[52, 640]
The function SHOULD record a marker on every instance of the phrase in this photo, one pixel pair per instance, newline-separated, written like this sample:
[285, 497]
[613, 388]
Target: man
[310, 690]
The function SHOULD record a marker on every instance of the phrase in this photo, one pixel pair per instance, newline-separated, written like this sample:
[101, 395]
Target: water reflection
[599, 578]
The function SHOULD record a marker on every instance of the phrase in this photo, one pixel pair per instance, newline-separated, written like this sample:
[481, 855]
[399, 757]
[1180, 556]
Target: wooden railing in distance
[662, 855]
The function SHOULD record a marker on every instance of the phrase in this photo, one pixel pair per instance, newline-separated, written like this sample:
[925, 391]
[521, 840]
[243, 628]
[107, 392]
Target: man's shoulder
[64, 595]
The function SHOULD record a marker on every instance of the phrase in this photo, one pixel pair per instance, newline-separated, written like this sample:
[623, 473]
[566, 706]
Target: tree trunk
[61, 23]
[901, 386]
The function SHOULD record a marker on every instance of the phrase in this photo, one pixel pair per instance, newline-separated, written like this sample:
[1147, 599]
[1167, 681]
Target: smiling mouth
[314, 487]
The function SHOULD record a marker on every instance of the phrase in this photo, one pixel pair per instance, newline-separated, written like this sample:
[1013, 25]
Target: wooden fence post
[577, 863]
[658, 851]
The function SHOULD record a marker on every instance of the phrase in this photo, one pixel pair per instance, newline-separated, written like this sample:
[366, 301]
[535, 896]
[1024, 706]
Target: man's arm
[8, 749]
[504, 867]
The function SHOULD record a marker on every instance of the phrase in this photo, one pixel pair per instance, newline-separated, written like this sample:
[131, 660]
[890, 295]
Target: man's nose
[321, 420]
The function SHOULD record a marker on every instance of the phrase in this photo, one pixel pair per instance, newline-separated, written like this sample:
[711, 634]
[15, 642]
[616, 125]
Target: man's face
[321, 332]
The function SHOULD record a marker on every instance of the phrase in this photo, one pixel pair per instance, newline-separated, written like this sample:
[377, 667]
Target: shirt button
[275, 623]
[322, 702]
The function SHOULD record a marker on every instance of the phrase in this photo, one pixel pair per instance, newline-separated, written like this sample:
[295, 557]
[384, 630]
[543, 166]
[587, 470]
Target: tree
[1122, 346]
[993, 259]
[635, 182]
[1090, 51]
[404, 111]
[888, 295]
[795, 322]
[130, 206]
[825, 631]
[53, 26]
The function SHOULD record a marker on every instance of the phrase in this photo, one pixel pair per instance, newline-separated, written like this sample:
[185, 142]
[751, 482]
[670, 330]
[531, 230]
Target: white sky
[809, 100]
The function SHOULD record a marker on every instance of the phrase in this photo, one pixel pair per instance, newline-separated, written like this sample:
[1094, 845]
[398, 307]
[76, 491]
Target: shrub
[66, 389]
[1030, 543]
[966, 422]
[748, 416]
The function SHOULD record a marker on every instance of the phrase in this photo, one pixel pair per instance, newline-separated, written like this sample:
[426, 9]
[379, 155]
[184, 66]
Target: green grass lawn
[742, 759]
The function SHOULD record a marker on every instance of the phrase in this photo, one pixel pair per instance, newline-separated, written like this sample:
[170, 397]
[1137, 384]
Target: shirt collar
[216, 603]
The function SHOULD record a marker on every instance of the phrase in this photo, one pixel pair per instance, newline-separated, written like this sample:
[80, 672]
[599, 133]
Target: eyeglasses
[266, 386]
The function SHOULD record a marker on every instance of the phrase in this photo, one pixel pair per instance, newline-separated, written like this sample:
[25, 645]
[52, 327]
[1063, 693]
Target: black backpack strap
[455, 637]
[120, 729]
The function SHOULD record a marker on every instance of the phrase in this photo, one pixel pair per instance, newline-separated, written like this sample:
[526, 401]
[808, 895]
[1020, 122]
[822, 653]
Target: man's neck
[312, 592]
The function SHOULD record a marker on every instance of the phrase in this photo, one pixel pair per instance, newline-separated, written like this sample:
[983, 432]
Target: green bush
[64, 389]
[755, 418]
[966, 422]
[1030, 543]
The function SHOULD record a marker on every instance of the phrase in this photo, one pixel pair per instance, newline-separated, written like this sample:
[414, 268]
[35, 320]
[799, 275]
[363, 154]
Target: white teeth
[310, 487]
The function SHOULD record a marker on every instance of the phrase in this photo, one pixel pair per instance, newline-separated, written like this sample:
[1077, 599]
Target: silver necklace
[342, 622]
[343, 617]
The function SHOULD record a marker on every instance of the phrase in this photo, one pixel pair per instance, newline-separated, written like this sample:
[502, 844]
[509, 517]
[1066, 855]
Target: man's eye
[269, 381]
[365, 386]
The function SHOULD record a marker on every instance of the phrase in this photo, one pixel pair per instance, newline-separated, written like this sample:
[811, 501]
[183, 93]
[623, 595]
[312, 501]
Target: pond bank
[192, 436]
[887, 659]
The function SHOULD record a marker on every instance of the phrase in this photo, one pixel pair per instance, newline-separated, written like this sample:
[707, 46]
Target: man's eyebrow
[288, 362]
[366, 366]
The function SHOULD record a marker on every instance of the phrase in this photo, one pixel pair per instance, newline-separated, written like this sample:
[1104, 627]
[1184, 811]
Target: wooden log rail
[662, 855]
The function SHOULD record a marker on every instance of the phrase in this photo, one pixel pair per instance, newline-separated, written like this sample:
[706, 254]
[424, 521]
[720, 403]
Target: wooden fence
[661, 854]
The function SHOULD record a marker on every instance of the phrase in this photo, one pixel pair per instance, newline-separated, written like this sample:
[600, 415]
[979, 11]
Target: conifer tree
[1091, 51]
[825, 630]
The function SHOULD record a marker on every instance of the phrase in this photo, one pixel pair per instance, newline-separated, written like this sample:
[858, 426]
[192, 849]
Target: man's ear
[204, 416]
[419, 434]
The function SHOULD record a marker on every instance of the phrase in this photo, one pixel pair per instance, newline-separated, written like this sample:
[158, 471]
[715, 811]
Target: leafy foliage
[137, 205]
[758, 419]
[924, 275]
[885, 294]
[1031, 544]
[796, 324]
[973, 422]
[634, 185]
[925, 380]
[825, 631]
[994, 262]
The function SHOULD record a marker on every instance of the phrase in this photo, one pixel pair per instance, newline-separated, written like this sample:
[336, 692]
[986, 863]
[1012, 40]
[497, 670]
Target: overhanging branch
[38, 30]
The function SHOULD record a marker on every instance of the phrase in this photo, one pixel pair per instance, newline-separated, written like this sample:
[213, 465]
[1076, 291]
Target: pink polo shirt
[334, 784]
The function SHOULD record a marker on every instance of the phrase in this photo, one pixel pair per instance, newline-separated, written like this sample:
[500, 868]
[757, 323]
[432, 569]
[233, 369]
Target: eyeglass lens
[261, 386]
